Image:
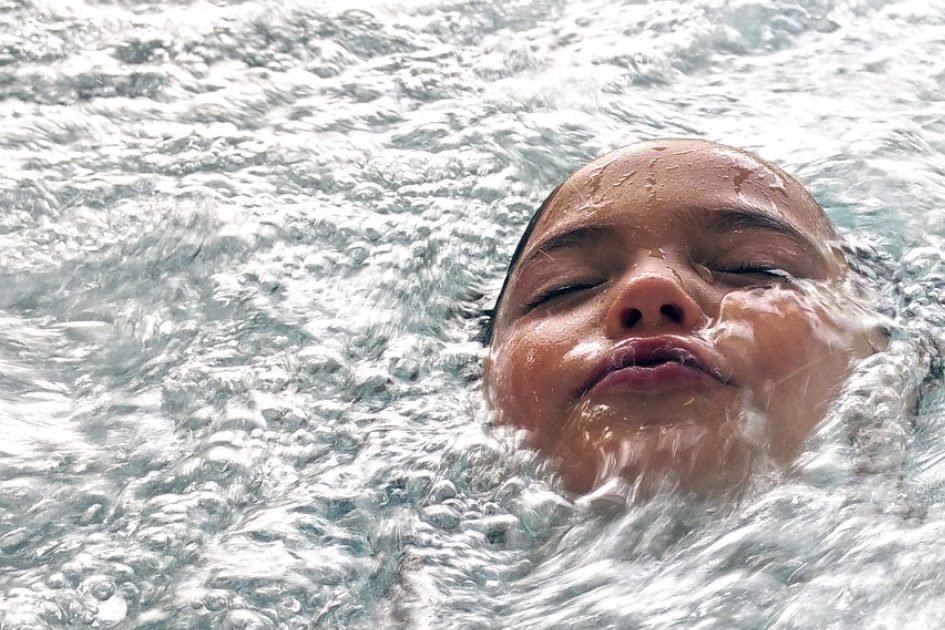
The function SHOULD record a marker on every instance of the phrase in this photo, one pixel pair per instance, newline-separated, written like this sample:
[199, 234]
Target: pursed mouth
[656, 360]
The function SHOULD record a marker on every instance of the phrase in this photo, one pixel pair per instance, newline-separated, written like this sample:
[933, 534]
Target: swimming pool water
[242, 250]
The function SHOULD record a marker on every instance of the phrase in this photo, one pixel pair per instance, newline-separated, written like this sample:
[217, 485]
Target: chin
[703, 456]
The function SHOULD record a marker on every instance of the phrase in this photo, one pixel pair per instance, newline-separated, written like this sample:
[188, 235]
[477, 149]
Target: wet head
[679, 313]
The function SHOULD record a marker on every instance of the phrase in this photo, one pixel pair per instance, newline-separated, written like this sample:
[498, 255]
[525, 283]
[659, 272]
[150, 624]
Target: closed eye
[558, 292]
[761, 270]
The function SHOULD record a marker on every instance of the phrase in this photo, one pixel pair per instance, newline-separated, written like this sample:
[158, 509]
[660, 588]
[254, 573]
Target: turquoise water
[242, 250]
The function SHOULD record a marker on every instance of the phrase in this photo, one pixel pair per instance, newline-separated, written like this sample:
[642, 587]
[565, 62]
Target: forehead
[646, 183]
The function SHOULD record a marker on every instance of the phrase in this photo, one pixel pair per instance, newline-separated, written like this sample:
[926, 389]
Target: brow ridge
[575, 236]
[732, 219]
[721, 219]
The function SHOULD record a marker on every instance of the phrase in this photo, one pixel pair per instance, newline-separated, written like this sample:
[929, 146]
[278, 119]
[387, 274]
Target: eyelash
[547, 296]
[552, 294]
[773, 272]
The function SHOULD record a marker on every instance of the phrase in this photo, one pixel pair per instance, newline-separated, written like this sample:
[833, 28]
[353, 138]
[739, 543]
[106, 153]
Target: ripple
[244, 251]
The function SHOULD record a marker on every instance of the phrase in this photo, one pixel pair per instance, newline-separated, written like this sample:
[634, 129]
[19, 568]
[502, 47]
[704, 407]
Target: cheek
[791, 352]
[528, 382]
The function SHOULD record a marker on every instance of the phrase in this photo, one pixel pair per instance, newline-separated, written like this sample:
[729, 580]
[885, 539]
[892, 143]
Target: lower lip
[654, 378]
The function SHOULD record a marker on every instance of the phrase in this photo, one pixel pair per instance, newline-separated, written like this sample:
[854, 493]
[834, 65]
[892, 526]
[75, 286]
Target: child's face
[677, 312]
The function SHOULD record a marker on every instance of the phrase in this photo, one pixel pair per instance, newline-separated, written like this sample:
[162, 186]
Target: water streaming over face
[243, 249]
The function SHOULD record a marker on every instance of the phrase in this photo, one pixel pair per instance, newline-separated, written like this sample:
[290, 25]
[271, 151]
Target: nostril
[631, 316]
[672, 313]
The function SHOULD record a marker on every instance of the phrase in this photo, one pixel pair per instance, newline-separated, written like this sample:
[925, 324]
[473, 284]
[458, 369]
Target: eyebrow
[734, 219]
[577, 236]
[718, 219]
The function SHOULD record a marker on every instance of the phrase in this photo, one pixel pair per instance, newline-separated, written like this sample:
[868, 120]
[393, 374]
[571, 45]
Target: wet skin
[679, 314]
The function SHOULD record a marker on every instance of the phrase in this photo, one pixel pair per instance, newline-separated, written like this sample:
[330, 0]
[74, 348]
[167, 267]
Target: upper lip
[653, 351]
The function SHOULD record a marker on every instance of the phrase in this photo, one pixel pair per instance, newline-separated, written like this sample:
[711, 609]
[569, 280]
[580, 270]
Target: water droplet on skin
[650, 188]
[779, 185]
[705, 273]
[595, 179]
[740, 176]
[597, 175]
[623, 179]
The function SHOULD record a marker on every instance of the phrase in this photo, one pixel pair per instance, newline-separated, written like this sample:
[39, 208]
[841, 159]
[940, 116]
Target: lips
[655, 364]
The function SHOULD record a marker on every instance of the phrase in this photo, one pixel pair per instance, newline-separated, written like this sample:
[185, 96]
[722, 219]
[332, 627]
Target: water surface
[242, 249]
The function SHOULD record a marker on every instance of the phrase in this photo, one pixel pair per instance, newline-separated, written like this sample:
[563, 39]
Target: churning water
[242, 250]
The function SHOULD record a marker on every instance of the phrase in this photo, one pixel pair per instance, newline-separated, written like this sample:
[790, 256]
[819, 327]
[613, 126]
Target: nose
[652, 301]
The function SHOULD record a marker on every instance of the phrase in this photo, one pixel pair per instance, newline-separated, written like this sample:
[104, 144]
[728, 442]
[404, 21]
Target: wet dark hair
[488, 315]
